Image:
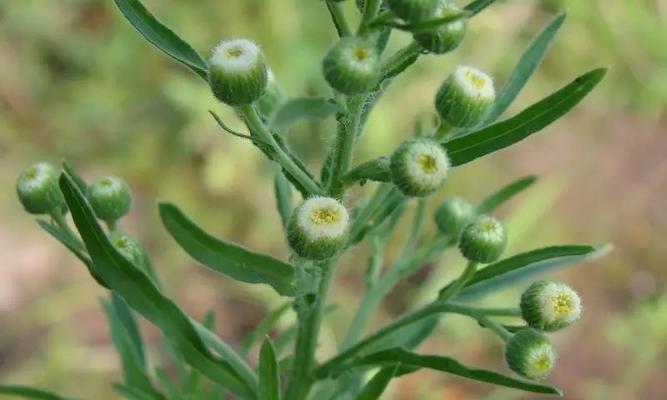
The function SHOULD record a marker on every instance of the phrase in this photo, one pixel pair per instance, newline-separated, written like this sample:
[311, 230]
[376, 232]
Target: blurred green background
[78, 83]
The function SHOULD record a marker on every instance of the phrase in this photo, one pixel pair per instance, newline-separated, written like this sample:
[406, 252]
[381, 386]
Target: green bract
[453, 215]
[419, 167]
[110, 197]
[352, 66]
[37, 188]
[483, 240]
[237, 72]
[318, 228]
[320, 231]
[550, 306]
[446, 37]
[530, 354]
[465, 97]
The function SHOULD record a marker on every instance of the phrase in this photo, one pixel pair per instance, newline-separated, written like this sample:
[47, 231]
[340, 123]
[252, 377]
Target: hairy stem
[338, 18]
[348, 130]
[371, 8]
[256, 126]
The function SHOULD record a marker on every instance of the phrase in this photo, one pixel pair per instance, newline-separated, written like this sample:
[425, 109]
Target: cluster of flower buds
[465, 97]
[352, 66]
[110, 198]
[318, 228]
[483, 240]
[419, 167]
[453, 215]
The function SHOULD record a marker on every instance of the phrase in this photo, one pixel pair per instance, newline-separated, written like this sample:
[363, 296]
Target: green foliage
[198, 352]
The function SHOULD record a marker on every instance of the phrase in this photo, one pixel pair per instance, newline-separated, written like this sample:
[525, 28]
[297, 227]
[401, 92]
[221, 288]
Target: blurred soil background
[78, 83]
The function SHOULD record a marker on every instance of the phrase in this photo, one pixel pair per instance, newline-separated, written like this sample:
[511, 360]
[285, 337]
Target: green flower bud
[550, 306]
[413, 10]
[37, 189]
[530, 354]
[419, 167]
[483, 240]
[465, 97]
[453, 215]
[446, 37]
[352, 66]
[110, 198]
[318, 228]
[237, 72]
[272, 97]
[128, 247]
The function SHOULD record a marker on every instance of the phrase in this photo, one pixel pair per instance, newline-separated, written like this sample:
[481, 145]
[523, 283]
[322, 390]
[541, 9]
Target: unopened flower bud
[110, 198]
[483, 240]
[447, 36]
[530, 354]
[237, 72]
[128, 247]
[352, 66]
[419, 167]
[453, 215]
[549, 306]
[37, 189]
[413, 10]
[318, 228]
[465, 97]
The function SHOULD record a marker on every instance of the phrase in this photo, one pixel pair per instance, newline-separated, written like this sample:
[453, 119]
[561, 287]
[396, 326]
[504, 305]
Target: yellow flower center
[476, 80]
[543, 363]
[234, 52]
[31, 173]
[360, 53]
[427, 163]
[561, 304]
[325, 216]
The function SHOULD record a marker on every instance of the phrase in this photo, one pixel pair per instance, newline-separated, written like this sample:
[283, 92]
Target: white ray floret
[475, 82]
[235, 55]
[323, 218]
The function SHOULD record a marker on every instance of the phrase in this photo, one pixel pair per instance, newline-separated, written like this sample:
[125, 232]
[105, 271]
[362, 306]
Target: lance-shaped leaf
[446, 364]
[161, 36]
[283, 192]
[269, 373]
[378, 383]
[522, 266]
[303, 109]
[225, 257]
[264, 327]
[507, 192]
[528, 63]
[478, 6]
[464, 149]
[27, 392]
[140, 293]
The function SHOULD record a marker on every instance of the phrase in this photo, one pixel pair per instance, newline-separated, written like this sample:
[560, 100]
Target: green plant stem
[338, 17]
[371, 8]
[256, 126]
[348, 130]
[59, 218]
[459, 284]
[500, 312]
[436, 307]
[310, 312]
[380, 195]
[400, 60]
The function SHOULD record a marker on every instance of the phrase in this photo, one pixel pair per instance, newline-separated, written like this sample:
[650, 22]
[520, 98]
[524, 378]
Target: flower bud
[446, 37]
[352, 66]
[419, 167]
[530, 354]
[110, 198]
[550, 306]
[483, 240]
[413, 10]
[237, 72]
[318, 228]
[453, 215]
[465, 97]
[37, 189]
[128, 247]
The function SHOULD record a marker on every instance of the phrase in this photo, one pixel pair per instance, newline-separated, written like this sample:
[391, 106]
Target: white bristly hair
[474, 82]
[315, 230]
[249, 54]
[548, 296]
[415, 170]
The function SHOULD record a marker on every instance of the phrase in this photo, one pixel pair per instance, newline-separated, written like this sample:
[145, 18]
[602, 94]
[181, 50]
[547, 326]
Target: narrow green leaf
[303, 108]
[80, 182]
[464, 149]
[225, 257]
[478, 6]
[507, 192]
[30, 393]
[130, 325]
[167, 384]
[528, 63]
[265, 326]
[522, 266]
[376, 169]
[137, 289]
[161, 36]
[376, 386]
[131, 392]
[283, 192]
[449, 365]
[269, 375]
